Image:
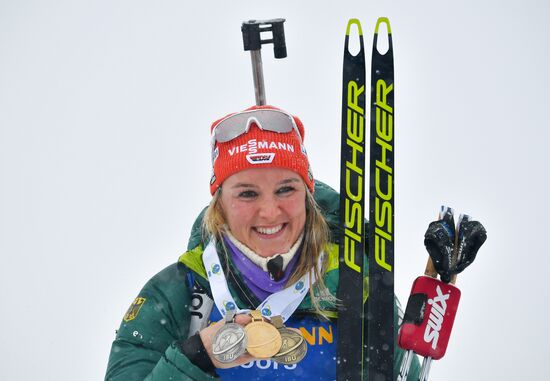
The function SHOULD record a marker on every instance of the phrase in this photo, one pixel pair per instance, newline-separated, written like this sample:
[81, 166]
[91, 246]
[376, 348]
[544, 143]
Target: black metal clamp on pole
[253, 42]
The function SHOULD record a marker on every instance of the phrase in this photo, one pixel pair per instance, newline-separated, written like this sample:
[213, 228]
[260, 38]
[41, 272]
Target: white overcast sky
[105, 108]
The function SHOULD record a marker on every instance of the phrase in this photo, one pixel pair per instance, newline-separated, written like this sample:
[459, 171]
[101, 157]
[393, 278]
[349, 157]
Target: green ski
[352, 213]
[381, 213]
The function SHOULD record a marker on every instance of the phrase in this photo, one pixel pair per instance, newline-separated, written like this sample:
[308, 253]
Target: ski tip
[352, 22]
[382, 20]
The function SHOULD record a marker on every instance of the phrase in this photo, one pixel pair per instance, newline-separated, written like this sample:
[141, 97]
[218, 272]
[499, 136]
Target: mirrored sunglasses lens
[230, 128]
[236, 125]
[275, 121]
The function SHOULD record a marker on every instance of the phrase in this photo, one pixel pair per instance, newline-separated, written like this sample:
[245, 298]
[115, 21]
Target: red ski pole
[433, 303]
[428, 322]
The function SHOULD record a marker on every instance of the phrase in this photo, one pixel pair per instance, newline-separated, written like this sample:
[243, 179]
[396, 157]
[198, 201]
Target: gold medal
[293, 348]
[264, 340]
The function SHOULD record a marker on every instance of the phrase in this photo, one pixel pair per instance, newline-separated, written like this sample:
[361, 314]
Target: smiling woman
[265, 209]
[259, 277]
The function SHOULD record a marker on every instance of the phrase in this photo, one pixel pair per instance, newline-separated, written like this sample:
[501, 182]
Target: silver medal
[230, 341]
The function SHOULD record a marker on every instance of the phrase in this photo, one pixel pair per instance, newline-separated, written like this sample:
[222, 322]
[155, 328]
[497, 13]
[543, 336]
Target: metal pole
[258, 74]
[405, 366]
[424, 372]
[252, 42]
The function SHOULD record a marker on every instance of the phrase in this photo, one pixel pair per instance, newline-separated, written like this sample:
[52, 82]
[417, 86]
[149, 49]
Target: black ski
[352, 213]
[381, 216]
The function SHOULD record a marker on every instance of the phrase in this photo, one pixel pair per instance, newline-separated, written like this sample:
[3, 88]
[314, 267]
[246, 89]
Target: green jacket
[145, 347]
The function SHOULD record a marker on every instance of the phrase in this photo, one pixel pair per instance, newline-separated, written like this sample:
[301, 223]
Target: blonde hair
[315, 242]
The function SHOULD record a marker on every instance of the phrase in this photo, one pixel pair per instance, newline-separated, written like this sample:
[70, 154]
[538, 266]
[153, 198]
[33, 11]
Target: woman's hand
[207, 337]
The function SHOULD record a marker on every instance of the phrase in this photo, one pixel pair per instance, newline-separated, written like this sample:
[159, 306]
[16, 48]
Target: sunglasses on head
[237, 124]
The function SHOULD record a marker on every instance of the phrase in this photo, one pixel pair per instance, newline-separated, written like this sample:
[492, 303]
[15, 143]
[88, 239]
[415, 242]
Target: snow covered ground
[105, 108]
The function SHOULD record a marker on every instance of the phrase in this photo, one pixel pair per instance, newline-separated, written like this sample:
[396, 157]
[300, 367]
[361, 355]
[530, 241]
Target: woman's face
[265, 208]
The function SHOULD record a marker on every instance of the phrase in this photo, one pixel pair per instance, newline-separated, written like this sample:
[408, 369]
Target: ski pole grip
[252, 35]
[432, 272]
[429, 317]
[279, 43]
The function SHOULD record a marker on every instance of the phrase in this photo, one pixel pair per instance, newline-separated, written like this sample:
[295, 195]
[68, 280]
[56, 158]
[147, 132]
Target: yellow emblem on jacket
[133, 311]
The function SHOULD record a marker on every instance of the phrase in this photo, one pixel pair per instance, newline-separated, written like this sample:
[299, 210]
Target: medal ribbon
[283, 302]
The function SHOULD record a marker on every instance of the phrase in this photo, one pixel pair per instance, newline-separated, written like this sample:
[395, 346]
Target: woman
[254, 295]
